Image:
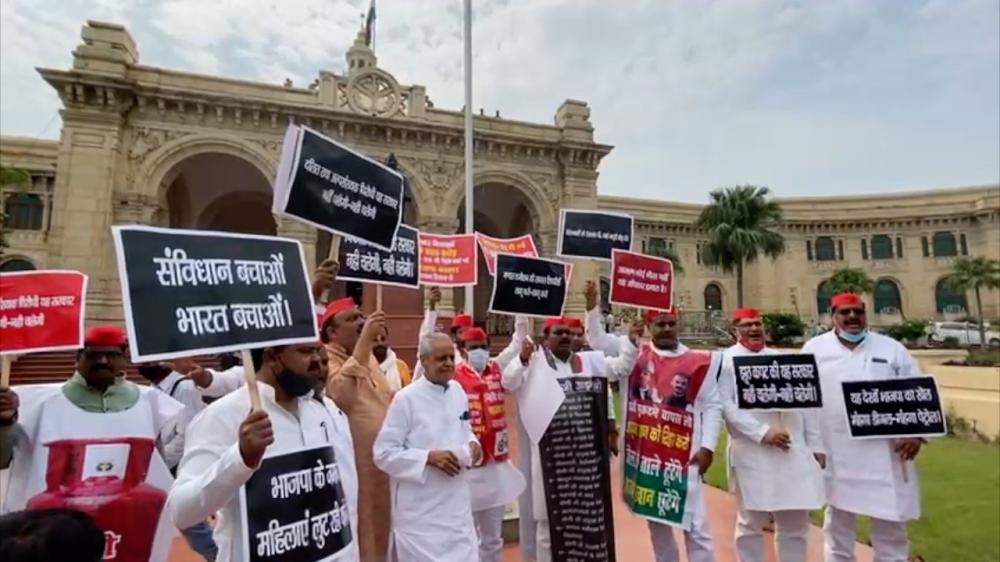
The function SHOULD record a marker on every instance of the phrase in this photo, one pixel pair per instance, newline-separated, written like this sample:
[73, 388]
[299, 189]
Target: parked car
[967, 333]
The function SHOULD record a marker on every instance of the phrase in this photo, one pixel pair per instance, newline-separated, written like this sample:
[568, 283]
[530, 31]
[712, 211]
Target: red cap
[652, 313]
[744, 313]
[575, 323]
[473, 334]
[104, 336]
[556, 321]
[333, 308]
[845, 299]
[461, 321]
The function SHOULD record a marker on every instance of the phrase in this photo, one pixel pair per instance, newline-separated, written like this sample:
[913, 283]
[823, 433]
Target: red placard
[641, 280]
[448, 260]
[41, 310]
[520, 246]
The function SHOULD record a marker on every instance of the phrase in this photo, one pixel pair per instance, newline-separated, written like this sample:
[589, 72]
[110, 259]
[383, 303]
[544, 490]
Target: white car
[967, 333]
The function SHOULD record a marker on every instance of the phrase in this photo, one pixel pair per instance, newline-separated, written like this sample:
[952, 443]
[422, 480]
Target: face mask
[293, 383]
[478, 359]
[852, 338]
[754, 347]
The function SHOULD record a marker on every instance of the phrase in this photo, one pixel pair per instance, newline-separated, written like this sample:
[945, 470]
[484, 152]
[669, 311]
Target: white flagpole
[469, 205]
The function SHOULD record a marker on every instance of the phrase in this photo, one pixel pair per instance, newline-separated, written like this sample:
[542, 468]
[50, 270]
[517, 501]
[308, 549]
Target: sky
[831, 97]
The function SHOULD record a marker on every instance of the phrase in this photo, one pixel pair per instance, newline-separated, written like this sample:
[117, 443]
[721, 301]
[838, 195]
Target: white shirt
[863, 476]
[509, 353]
[762, 472]
[431, 511]
[212, 470]
[224, 382]
[599, 340]
[186, 392]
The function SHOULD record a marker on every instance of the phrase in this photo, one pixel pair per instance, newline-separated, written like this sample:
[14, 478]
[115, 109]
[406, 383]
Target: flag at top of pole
[469, 204]
[370, 26]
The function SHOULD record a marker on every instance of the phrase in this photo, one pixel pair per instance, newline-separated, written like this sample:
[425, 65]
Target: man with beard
[228, 442]
[397, 372]
[871, 477]
[359, 387]
[96, 404]
[170, 379]
[767, 451]
[426, 446]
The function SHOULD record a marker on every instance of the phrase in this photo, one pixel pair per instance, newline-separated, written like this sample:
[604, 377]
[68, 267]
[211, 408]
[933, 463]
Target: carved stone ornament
[374, 92]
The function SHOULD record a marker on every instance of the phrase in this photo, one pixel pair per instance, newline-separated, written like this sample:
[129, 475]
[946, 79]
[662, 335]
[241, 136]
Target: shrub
[782, 327]
[907, 331]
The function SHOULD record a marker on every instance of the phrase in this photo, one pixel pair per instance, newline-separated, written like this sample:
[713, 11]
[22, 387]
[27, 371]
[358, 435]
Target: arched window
[881, 247]
[947, 299]
[17, 264]
[887, 299]
[823, 297]
[24, 211]
[944, 245]
[825, 250]
[713, 297]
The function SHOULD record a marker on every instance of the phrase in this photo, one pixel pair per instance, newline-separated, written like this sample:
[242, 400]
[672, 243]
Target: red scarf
[754, 347]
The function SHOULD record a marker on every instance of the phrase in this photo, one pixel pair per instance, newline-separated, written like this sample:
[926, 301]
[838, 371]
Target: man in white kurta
[557, 360]
[872, 477]
[774, 459]
[426, 446]
[227, 442]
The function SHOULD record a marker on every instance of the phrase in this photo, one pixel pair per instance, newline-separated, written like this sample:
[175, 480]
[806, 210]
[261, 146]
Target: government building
[146, 145]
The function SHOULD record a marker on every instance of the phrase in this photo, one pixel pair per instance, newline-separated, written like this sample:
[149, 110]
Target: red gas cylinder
[122, 503]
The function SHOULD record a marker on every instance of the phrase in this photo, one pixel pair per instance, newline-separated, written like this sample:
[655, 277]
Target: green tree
[667, 252]
[850, 280]
[742, 224]
[10, 177]
[975, 274]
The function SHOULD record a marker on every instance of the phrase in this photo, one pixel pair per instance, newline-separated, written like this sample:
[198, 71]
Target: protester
[48, 535]
[495, 482]
[870, 477]
[360, 388]
[228, 442]
[168, 378]
[768, 452]
[96, 404]
[425, 446]
[558, 359]
[397, 372]
[580, 344]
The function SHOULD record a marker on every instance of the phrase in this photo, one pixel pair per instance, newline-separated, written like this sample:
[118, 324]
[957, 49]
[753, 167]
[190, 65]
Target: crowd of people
[426, 475]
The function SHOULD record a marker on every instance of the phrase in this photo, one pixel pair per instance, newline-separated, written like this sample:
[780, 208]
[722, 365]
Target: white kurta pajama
[863, 476]
[431, 511]
[766, 480]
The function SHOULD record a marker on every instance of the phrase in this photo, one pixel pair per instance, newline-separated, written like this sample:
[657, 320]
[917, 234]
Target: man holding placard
[768, 450]
[872, 477]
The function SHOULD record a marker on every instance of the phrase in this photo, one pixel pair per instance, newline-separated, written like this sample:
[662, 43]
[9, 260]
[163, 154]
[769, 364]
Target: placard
[294, 509]
[787, 381]
[41, 310]
[576, 473]
[899, 407]
[367, 263]
[448, 260]
[641, 280]
[530, 286]
[333, 187]
[593, 234]
[196, 292]
[520, 246]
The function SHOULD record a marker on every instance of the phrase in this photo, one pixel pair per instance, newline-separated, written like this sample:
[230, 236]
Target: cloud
[837, 97]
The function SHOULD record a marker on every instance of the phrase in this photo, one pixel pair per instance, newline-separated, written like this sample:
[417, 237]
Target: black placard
[337, 189]
[576, 475]
[294, 509]
[361, 261]
[593, 234]
[193, 292]
[900, 407]
[529, 286]
[777, 382]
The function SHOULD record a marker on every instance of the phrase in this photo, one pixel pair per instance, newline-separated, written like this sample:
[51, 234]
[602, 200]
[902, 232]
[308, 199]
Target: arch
[17, 264]
[24, 211]
[944, 244]
[825, 249]
[887, 297]
[246, 212]
[948, 300]
[543, 214]
[823, 296]
[713, 296]
[881, 248]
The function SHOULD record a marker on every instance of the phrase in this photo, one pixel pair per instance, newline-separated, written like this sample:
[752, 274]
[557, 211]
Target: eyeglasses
[849, 311]
[94, 355]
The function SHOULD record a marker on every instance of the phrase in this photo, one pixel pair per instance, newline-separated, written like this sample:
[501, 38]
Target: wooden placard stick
[5, 361]
[250, 375]
[378, 298]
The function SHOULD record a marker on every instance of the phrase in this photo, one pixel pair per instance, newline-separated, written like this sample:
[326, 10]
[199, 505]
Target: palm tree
[667, 252]
[741, 222]
[976, 273]
[850, 280]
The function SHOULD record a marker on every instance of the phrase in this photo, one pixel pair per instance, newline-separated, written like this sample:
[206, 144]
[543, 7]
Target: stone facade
[147, 145]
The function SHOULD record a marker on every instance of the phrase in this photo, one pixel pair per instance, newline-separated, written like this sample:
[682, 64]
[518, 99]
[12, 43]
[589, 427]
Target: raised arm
[429, 324]
[521, 328]
[597, 338]
[513, 374]
[620, 367]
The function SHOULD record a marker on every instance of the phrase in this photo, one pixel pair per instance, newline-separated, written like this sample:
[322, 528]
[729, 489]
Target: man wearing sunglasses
[871, 477]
